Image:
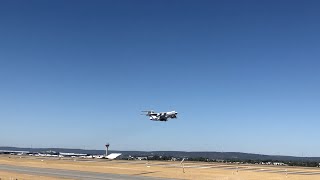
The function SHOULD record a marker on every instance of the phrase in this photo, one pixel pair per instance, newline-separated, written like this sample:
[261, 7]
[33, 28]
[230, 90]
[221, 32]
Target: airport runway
[81, 175]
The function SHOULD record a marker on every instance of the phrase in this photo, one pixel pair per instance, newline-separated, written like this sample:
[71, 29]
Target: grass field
[158, 169]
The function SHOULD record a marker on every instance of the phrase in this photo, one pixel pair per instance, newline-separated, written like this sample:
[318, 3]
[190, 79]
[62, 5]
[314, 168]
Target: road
[81, 175]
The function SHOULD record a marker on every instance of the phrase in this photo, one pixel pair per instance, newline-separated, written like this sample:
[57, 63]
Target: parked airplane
[162, 116]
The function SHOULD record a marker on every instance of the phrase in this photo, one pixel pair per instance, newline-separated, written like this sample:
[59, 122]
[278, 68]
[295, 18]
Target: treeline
[305, 164]
[160, 158]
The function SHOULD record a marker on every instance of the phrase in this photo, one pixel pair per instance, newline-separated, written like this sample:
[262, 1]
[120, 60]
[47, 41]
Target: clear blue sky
[243, 75]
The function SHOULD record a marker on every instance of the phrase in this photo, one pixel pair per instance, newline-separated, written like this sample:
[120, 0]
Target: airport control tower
[107, 147]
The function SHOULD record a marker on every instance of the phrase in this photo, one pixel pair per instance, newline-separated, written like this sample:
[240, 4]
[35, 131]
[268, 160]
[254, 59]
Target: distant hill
[209, 155]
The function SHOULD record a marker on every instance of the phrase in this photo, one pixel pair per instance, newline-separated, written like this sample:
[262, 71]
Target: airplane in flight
[162, 116]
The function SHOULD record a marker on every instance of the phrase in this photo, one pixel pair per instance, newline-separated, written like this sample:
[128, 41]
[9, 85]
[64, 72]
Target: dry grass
[154, 170]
